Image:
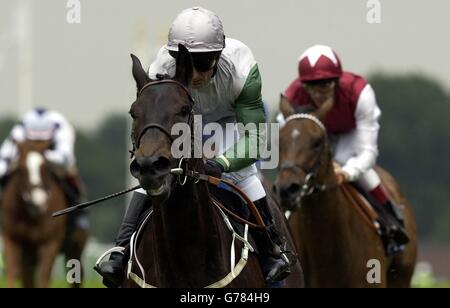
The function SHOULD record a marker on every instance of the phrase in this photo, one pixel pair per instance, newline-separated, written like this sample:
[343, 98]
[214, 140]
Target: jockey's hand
[213, 168]
[341, 175]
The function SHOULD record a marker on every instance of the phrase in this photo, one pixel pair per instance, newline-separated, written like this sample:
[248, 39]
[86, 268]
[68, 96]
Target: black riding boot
[274, 263]
[113, 269]
[393, 230]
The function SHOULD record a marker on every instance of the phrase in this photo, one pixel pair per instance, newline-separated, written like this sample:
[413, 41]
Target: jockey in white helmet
[226, 87]
[352, 124]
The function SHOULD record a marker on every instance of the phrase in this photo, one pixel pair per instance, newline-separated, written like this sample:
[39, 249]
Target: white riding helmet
[198, 29]
[38, 125]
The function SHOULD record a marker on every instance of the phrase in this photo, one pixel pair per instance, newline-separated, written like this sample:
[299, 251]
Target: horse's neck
[188, 209]
[326, 211]
[188, 235]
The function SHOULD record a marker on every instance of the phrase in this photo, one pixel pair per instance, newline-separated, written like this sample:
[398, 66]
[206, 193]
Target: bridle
[310, 186]
[158, 126]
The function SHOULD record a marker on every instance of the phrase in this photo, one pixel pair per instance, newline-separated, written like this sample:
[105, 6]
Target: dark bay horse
[336, 245]
[32, 238]
[186, 242]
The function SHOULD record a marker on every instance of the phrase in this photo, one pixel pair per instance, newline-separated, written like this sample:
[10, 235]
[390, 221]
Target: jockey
[352, 125]
[226, 87]
[42, 124]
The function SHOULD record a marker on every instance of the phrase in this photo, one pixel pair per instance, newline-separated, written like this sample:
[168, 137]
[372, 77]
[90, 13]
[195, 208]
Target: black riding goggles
[320, 82]
[203, 61]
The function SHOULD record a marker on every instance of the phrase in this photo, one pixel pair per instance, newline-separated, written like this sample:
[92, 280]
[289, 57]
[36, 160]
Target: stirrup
[118, 249]
[283, 270]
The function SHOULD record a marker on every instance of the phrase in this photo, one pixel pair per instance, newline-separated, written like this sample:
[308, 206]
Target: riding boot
[393, 231]
[398, 226]
[113, 269]
[275, 265]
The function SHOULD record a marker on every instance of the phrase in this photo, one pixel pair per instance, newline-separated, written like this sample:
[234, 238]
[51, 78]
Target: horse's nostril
[289, 191]
[294, 188]
[162, 164]
[150, 166]
[134, 168]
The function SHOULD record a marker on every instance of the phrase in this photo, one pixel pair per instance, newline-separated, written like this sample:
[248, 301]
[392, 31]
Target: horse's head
[304, 154]
[34, 175]
[159, 105]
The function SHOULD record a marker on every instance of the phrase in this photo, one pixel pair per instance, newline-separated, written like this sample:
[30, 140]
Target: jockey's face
[320, 91]
[204, 66]
[200, 79]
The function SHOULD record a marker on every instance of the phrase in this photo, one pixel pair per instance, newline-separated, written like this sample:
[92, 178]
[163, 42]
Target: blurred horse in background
[336, 240]
[32, 238]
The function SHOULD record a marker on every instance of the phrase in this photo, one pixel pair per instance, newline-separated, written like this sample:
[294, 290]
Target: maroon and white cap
[319, 62]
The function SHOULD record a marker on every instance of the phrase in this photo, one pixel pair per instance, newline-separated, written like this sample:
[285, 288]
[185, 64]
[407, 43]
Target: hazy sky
[84, 70]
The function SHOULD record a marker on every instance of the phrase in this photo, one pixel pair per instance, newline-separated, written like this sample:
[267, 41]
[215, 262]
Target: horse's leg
[46, 255]
[13, 256]
[74, 250]
[28, 267]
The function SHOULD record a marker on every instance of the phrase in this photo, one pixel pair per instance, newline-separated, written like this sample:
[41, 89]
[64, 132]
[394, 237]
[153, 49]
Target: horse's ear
[185, 67]
[286, 108]
[139, 74]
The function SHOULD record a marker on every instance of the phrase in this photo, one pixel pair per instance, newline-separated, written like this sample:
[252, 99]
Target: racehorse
[186, 242]
[337, 247]
[32, 238]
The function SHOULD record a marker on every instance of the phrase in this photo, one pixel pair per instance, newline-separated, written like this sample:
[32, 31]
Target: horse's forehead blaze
[34, 162]
[295, 133]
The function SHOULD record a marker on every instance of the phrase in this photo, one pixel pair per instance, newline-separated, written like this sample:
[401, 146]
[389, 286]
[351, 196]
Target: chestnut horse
[337, 247]
[32, 238]
[186, 242]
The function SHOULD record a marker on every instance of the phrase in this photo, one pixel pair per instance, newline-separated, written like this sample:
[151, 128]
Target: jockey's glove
[214, 168]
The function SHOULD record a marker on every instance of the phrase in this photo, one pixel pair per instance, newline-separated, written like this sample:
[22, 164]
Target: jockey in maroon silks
[352, 125]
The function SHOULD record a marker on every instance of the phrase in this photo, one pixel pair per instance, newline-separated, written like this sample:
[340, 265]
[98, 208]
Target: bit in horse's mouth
[156, 192]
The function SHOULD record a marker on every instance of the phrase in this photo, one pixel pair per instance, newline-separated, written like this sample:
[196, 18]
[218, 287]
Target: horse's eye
[133, 114]
[184, 111]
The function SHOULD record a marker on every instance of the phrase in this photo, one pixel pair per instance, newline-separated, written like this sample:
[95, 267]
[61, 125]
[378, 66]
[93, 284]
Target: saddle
[363, 203]
[375, 214]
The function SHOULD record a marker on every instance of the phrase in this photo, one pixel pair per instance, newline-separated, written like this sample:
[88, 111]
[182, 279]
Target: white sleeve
[8, 150]
[280, 119]
[366, 135]
[164, 64]
[64, 142]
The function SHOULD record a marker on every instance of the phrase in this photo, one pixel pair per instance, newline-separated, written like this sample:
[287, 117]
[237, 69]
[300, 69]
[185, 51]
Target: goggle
[203, 61]
[323, 83]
